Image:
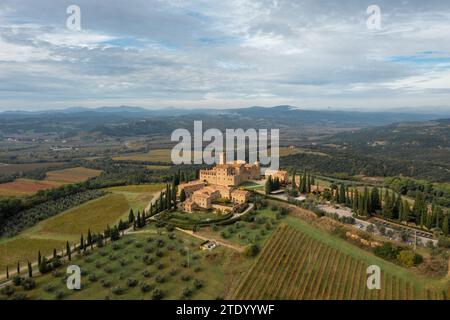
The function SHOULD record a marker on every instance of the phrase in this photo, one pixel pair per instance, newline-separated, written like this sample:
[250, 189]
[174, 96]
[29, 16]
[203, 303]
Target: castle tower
[222, 158]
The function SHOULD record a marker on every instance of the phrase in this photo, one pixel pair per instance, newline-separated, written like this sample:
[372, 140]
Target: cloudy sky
[208, 53]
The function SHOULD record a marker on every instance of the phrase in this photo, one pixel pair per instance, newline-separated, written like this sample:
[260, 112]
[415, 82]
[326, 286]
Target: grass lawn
[250, 185]
[72, 175]
[132, 261]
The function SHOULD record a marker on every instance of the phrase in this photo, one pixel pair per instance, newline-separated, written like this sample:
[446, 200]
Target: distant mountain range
[279, 112]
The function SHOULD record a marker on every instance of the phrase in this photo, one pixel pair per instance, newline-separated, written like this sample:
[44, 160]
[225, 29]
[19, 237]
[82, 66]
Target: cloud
[224, 53]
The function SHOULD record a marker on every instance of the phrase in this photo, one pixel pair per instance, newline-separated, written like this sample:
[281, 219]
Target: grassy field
[288, 151]
[72, 175]
[139, 264]
[24, 167]
[296, 265]
[156, 155]
[69, 225]
[25, 187]
[138, 196]
[95, 214]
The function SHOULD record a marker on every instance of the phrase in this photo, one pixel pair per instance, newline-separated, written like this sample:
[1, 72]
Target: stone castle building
[230, 174]
[217, 183]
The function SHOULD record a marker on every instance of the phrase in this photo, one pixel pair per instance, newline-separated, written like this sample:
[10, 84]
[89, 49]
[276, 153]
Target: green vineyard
[295, 266]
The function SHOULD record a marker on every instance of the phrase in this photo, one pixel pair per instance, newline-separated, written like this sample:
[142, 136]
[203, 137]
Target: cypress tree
[18, 267]
[39, 258]
[7, 272]
[138, 220]
[268, 185]
[387, 205]
[419, 208]
[68, 252]
[30, 270]
[89, 237]
[406, 211]
[445, 225]
[131, 216]
[183, 195]
[361, 205]
[342, 198]
[82, 242]
[355, 201]
[294, 185]
[366, 201]
[54, 253]
[375, 204]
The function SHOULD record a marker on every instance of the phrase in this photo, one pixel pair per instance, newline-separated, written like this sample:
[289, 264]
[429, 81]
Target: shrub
[251, 250]
[117, 290]
[56, 262]
[146, 273]
[92, 277]
[48, 287]
[105, 283]
[20, 296]
[157, 294]
[145, 287]
[123, 262]
[7, 290]
[108, 269]
[409, 258]
[387, 251]
[28, 284]
[198, 284]
[185, 277]
[17, 280]
[132, 283]
[56, 273]
[59, 294]
[159, 278]
[187, 292]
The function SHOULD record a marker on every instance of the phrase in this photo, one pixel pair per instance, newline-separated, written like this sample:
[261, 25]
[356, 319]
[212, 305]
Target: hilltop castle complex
[217, 183]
